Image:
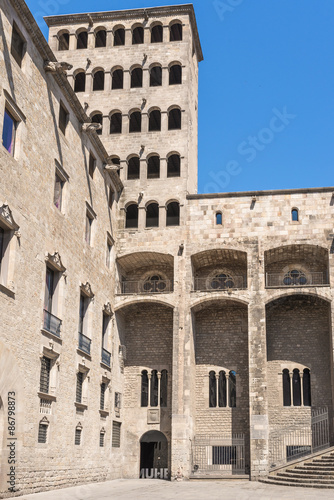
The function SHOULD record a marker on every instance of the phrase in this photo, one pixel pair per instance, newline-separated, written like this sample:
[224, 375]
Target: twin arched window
[222, 389]
[297, 387]
[152, 215]
[154, 388]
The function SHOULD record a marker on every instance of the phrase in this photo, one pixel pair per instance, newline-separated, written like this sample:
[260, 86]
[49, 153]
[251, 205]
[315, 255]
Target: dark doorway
[154, 456]
[147, 455]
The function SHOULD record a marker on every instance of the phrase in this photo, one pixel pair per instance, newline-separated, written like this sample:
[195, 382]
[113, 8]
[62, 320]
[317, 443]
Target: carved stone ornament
[87, 290]
[55, 261]
[44, 421]
[7, 217]
[107, 309]
[79, 426]
[56, 67]
[90, 127]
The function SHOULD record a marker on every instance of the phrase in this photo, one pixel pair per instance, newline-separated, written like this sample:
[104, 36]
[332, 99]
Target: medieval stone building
[145, 329]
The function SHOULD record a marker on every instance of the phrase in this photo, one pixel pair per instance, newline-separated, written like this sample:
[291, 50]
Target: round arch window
[154, 284]
[222, 281]
[294, 277]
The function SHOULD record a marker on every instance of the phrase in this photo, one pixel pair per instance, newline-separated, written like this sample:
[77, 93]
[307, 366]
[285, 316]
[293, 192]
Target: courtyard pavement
[139, 489]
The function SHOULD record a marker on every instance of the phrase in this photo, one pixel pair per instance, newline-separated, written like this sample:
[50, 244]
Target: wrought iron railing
[219, 283]
[105, 357]
[51, 323]
[296, 278]
[218, 454]
[84, 343]
[148, 286]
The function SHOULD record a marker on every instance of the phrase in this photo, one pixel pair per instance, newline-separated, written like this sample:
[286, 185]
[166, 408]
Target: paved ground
[137, 489]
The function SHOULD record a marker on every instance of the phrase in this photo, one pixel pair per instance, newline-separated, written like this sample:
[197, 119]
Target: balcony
[222, 282]
[51, 323]
[145, 286]
[105, 357]
[84, 343]
[296, 278]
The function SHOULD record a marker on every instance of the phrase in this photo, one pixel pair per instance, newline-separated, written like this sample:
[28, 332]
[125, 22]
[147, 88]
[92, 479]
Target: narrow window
[64, 41]
[119, 37]
[294, 215]
[77, 439]
[108, 254]
[232, 386]
[136, 78]
[144, 389]
[49, 289]
[78, 392]
[173, 214]
[117, 79]
[117, 400]
[157, 34]
[154, 124]
[63, 118]
[44, 382]
[175, 74]
[154, 388]
[98, 80]
[80, 82]
[92, 165]
[116, 435]
[212, 390]
[82, 40]
[152, 215]
[296, 388]
[174, 119]
[8, 132]
[135, 122]
[219, 218]
[58, 191]
[132, 216]
[153, 167]
[101, 439]
[286, 388]
[102, 396]
[307, 387]
[88, 230]
[97, 118]
[42, 433]
[175, 32]
[105, 326]
[163, 388]
[174, 166]
[17, 48]
[156, 76]
[138, 35]
[116, 123]
[222, 390]
[101, 38]
[111, 197]
[2, 239]
[134, 168]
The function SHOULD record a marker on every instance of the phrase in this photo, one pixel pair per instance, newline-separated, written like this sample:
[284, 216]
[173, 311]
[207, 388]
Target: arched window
[64, 41]
[222, 400]
[232, 389]
[80, 82]
[153, 167]
[136, 78]
[100, 38]
[134, 168]
[219, 218]
[98, 80]
[138, 35]
[175, 74]
[154, 388]
[82, 40]
[296, 388]
[152, 215]
[222, 281]
[212, 390]
[294, 215]
[163, 388]
[135, 122]
[119, 37]
[286, 388]
[174, 119]
[173, 214]
[116, 123]
[294, 277]
[156, 34]
[174, 165]
[154, 123]
[97, 118]
[144, 388]
[132, 216]
[307, 387]
[156, 76]
[117, 79]
[175, 31]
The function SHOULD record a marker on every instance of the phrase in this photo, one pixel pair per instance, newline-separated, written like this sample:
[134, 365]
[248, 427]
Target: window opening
[117, 79]
[156, 76]
[157, 34]
[174, 166]
[116, 123]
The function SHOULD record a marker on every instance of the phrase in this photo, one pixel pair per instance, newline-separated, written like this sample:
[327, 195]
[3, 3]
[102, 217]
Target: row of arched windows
[297, 387]
[137, 31]
[222, 389]
[153, 166]
[152, 214]
[154, 388]
[136, 77]
[135, 120]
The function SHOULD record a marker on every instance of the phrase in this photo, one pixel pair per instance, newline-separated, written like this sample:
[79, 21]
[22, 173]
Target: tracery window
[222, 281]
[154, 385]
[296, 387]
[222, 389]
[155, 284]
[294, 277]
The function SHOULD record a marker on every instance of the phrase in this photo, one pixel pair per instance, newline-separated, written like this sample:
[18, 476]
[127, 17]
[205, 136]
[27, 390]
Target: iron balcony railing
[219, 283]
[84, 343]
[106, 357]
[148, 286]
[51, 323]
[296, 278]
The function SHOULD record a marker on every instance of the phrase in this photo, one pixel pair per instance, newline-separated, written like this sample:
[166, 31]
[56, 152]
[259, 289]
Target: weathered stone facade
[149, 305]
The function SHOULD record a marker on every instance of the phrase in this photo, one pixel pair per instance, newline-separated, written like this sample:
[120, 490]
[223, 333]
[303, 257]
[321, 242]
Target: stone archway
[153, 455]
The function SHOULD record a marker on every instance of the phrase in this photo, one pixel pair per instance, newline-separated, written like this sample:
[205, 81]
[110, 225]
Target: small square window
[63, 118]
[18, 45]
[8, 132]
[92, 165]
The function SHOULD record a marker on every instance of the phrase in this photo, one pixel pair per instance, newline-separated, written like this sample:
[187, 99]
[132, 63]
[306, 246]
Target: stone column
[107, 80]
[144, 122]
[128, 37]
[110, 39]
[127, 79]
[73, 41]
[91, 40]
[164, 121]
[141, 217]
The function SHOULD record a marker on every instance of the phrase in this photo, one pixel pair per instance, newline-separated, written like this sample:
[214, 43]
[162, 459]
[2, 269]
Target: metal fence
[220, 283]
[148, 286]
[297, 441]
[218, 454]
[278, 280]
[84, 343]
[51, 323]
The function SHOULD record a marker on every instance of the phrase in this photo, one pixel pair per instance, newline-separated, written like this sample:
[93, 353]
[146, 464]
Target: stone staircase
[315, 472]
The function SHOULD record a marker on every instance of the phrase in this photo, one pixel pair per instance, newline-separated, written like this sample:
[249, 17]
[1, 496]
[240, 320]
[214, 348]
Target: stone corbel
[91, 127]
[87, 290]
[57, 67]
[7, 218]
[55, 261]
[107, 309]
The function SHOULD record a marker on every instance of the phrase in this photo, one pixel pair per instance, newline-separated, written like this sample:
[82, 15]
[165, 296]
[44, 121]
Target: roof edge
[272, 192]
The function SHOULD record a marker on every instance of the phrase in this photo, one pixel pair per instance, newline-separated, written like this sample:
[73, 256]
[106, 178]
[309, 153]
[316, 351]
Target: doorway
[153, 455]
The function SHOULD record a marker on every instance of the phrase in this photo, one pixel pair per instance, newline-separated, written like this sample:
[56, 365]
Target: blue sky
[266, 89]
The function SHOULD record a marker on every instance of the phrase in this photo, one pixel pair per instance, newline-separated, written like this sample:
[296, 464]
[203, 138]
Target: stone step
[310, 468]
[324, 459]
[320, 464]
[301, 484]
[307, 472]
[299, 477]
[304, 480]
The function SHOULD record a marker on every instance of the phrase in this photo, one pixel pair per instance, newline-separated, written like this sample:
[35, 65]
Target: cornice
[275, 192]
